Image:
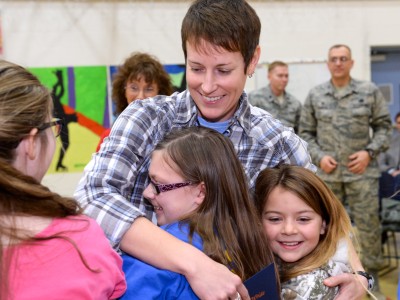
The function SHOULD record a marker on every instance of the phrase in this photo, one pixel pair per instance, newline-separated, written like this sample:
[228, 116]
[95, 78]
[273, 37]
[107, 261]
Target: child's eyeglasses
[160, 188]
[56, 125]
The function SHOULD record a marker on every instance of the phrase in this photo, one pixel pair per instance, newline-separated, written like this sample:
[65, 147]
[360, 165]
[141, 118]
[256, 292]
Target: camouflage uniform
[310, 286]
[288, 112]
[338, 123]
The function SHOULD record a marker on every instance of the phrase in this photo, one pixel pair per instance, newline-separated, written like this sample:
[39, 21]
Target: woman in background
[140, 76]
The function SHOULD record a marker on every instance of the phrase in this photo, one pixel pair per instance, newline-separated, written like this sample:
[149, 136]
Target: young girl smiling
[308, 230]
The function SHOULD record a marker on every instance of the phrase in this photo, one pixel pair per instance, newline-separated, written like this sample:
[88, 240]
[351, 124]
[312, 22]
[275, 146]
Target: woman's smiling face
[216, 79]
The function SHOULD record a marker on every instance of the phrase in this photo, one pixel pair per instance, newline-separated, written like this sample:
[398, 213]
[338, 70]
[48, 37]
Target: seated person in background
[200, 196]
[389, 164]
[140, 76]
[48, 249]
[308, 230]
[274, 99]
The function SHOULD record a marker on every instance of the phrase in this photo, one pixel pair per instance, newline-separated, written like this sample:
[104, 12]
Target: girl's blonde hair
[314, 192]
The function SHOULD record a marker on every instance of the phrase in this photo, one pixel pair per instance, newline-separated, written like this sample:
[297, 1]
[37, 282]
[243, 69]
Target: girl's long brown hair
[24, 104]
[226, 220]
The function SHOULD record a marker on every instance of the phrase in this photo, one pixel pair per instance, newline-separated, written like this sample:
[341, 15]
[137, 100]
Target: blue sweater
[148, 282]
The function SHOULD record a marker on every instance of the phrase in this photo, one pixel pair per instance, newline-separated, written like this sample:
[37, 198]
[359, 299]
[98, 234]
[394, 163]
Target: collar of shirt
[186, 111]
[352, 87]
[273, 98]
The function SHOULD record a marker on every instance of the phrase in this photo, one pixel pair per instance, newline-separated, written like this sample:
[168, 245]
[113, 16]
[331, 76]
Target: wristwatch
[369, 277]
[371, 153]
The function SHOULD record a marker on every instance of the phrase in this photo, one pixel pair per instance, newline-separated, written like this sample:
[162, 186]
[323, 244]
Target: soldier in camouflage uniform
[275, 100]
[337, 119]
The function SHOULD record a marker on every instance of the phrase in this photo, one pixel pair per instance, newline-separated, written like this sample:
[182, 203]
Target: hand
[395, 173]
[328, 164]
[351, 286]
[358, 162]
[214, 281]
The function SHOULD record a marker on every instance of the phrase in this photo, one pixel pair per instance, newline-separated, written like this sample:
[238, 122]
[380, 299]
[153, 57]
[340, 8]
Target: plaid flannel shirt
[113, 181]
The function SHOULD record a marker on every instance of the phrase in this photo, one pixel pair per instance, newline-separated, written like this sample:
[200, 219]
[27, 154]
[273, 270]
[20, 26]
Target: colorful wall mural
[82, 98]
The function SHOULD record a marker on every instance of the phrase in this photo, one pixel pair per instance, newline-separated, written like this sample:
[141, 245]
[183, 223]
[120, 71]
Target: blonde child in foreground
[308, 230]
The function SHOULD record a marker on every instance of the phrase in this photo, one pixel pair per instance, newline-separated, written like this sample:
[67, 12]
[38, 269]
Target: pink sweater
[52, 269]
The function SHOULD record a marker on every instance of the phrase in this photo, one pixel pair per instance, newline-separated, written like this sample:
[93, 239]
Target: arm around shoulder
[114, 176]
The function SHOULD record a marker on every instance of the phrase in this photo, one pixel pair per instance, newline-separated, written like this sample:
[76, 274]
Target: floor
[389, 284]
[389, 276]
[63, 183]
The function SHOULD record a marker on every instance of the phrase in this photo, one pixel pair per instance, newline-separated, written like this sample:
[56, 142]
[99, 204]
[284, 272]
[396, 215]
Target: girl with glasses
[199, 191]
[48, 249]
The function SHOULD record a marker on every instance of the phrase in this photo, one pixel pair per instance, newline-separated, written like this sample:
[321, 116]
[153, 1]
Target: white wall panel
[49, 33]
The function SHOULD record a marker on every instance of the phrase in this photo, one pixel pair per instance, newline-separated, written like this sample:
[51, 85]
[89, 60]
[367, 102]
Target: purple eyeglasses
[160, 188]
